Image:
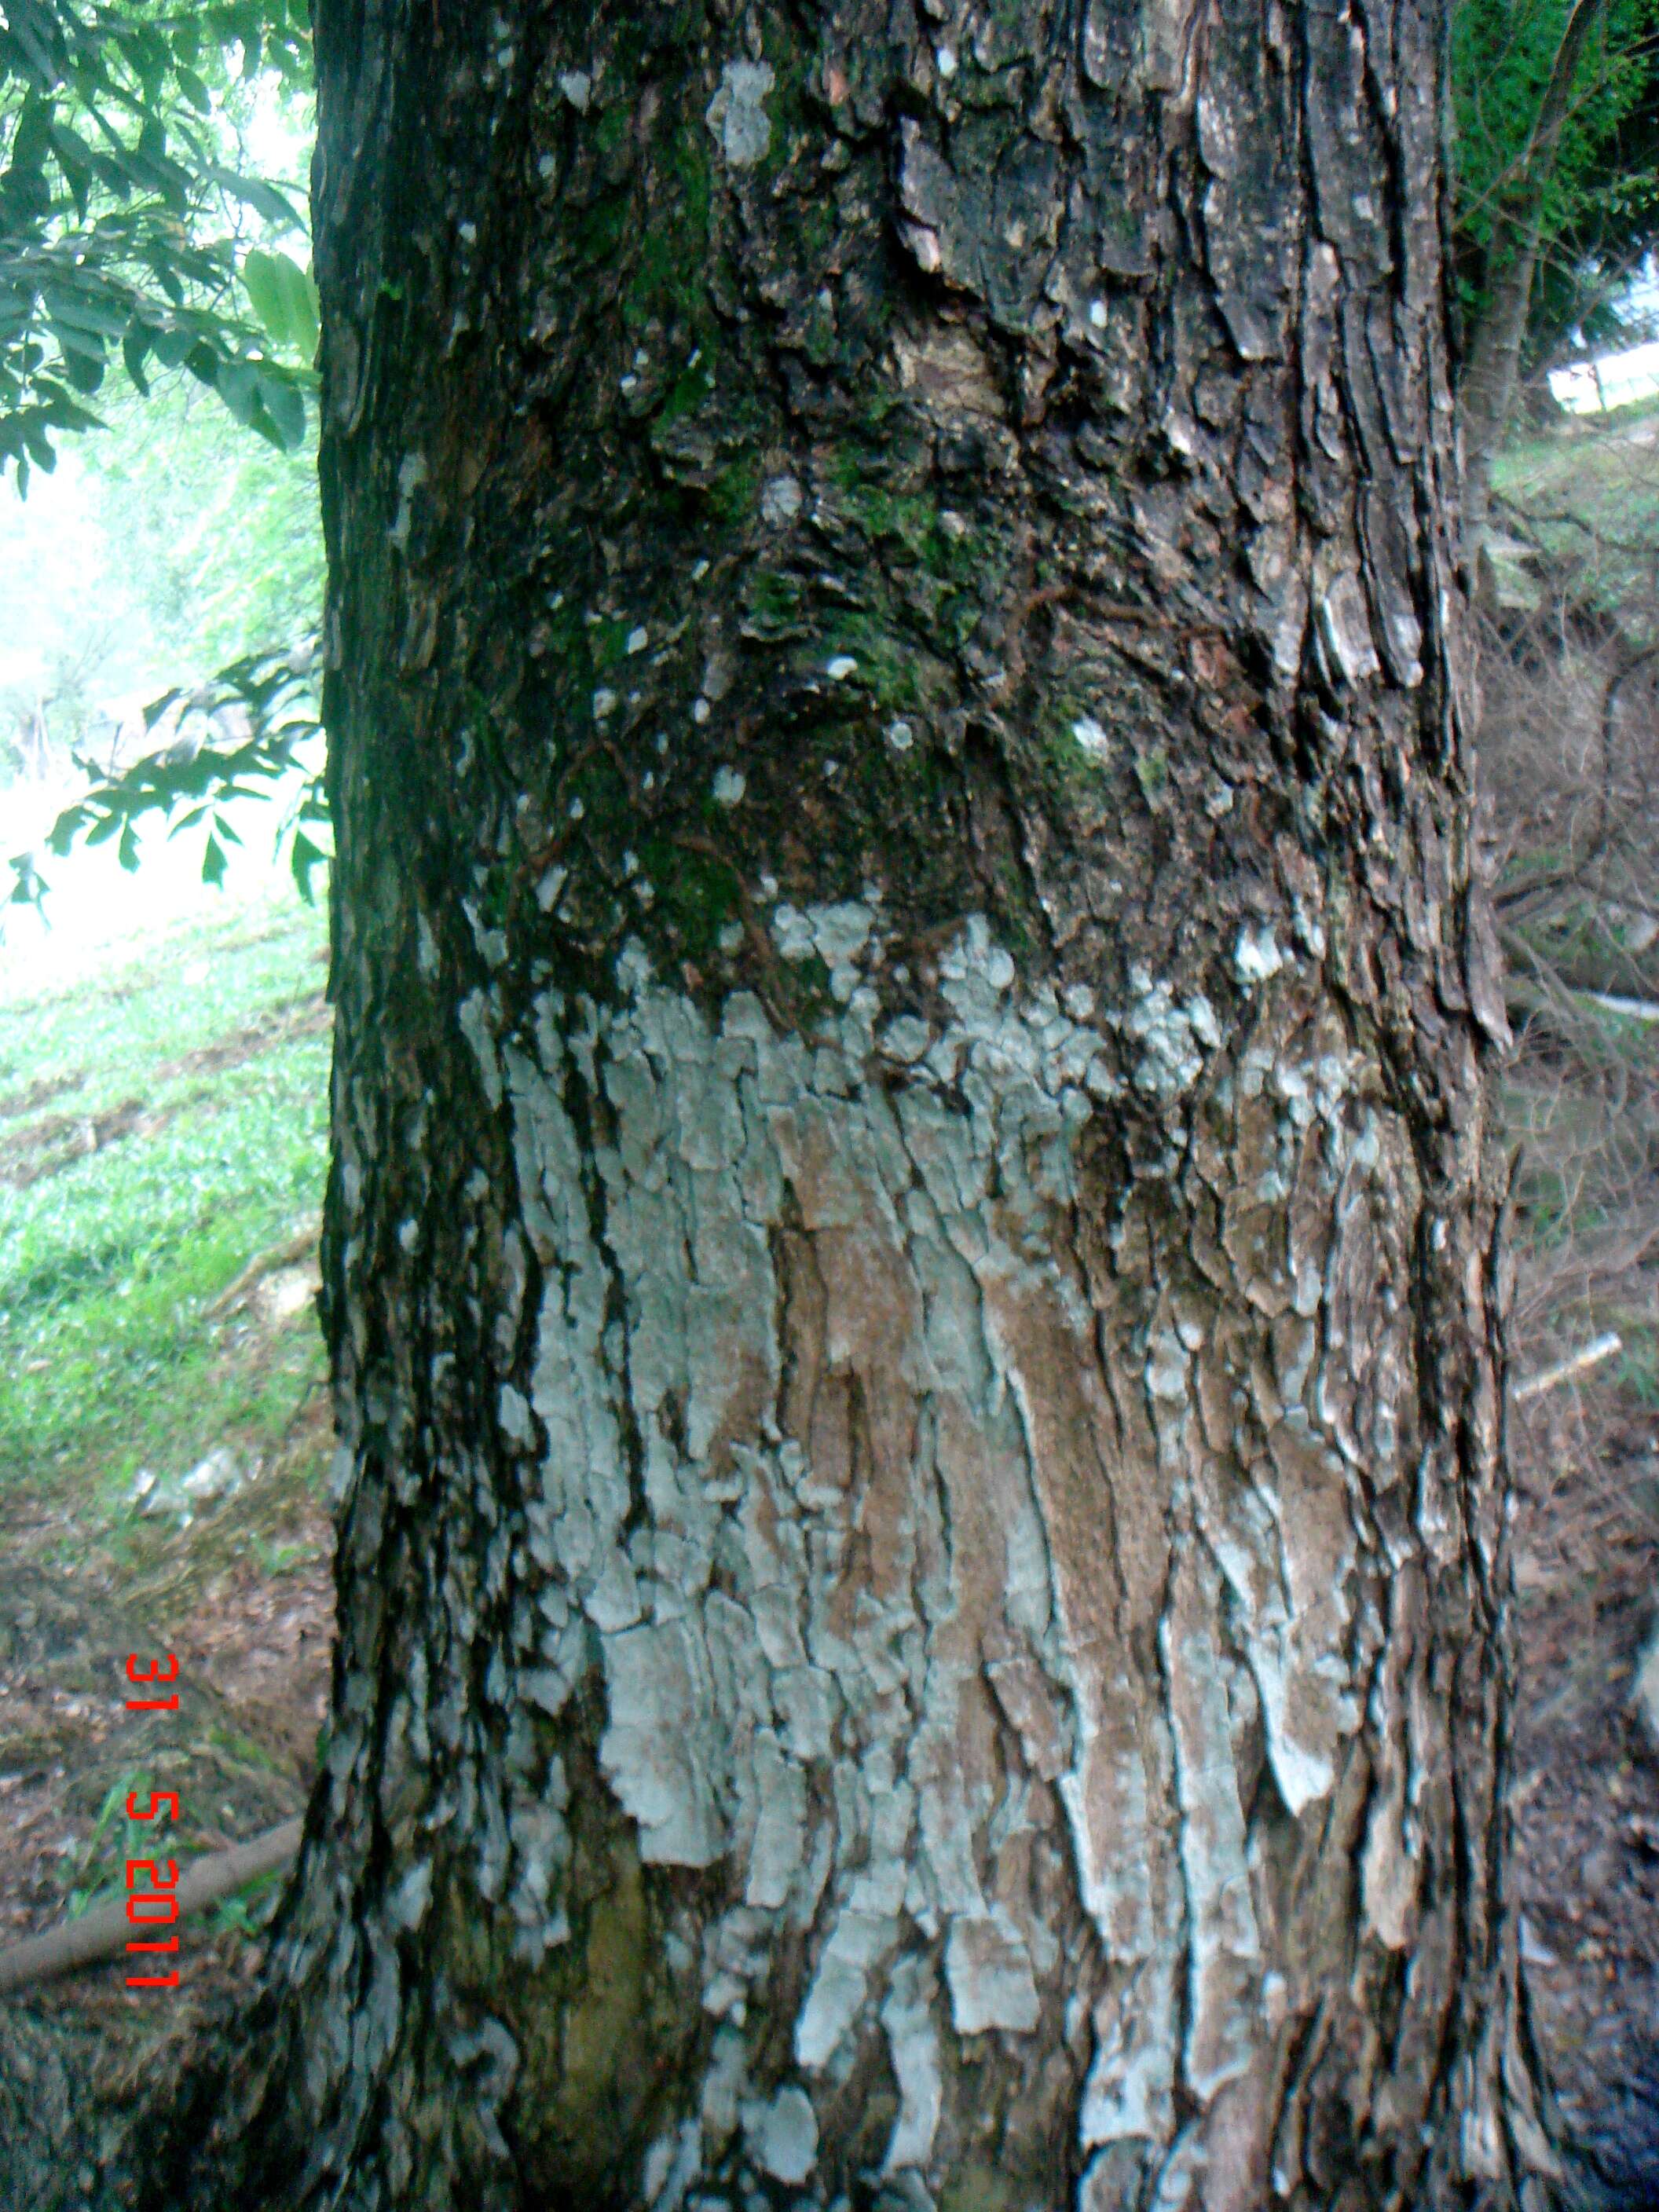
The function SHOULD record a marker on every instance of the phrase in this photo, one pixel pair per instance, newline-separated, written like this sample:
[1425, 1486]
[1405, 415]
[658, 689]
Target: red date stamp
[152, 1895]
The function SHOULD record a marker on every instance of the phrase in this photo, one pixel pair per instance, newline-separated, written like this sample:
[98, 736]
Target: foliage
[277, 691]
[215, 537]
[130, 225]
[169, 544]
[1599, 193]
[120, 212]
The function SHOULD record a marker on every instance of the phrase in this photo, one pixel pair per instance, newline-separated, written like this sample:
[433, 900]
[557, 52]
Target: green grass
[1590, 493]
[107, 1262]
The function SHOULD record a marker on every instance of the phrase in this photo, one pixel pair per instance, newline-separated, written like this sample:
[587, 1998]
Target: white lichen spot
[946, 58]
[577, 87]
[736, 114]
[638, 639]
[578, 808]
[780, 500]
[1170, 1035]
[409, 1901]
[1091, 738]
[1256, 956]
[515, 1416]
[793, 934]
[1097, 314]
[901, 736]
[701, 710]
[730, 939]
[548, 889]
[701, 568]
[729, 784]
[839, 667]
[411, 475]
[605, 703]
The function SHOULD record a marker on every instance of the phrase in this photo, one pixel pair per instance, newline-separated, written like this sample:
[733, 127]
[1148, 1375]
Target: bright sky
[96, 907]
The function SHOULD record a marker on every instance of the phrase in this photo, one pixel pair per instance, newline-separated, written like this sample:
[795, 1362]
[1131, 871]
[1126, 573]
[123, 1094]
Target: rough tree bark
[909, 1262]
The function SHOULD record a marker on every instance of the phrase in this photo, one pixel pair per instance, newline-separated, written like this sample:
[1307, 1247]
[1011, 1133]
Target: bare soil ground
[1586, 1795]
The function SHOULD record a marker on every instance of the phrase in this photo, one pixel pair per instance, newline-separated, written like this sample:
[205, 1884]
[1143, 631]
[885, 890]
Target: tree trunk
[1492, 373]
[910, 1273]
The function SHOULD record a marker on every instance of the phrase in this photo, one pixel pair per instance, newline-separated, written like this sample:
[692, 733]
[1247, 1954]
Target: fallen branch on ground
[104, 1931]
[1600, 1348]
[286, 1255]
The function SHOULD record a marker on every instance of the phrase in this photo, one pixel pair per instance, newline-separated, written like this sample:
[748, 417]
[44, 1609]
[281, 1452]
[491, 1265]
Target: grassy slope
[198, 1065]
[106, 1260]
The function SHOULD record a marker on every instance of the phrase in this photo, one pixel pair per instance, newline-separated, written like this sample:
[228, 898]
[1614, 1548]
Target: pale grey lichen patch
[780, 500]
[412, 473]
[1173, 1035]
[577, 87]
[913, 2044]
[784, 2135]
[737, 113]
[473, 1015]
[988, 1968]
[859, 1670]
[1345, 630]
[426, 947]
[672, 2165]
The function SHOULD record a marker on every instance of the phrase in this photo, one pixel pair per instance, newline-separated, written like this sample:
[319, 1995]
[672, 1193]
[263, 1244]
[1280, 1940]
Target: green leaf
[265, 199]
[287, 411]
[305, 859]
[135, 344]
[238, 385]
[284, 298]
[127, 851]
[213, 862]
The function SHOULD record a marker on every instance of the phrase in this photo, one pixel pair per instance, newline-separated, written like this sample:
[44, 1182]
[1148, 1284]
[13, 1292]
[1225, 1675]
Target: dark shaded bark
[910, 1259]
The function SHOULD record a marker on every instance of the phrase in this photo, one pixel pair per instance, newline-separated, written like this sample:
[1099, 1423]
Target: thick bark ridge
[908, 1260]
